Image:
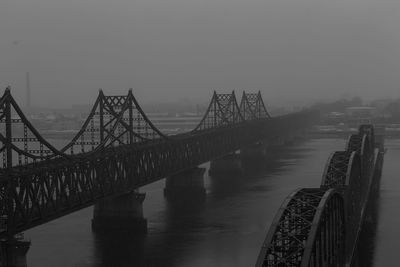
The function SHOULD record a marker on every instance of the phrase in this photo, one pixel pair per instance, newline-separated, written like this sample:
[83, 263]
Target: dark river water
[225, 229]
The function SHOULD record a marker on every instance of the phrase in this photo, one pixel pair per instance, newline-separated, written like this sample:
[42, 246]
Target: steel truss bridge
[321, 226]
[117, 150]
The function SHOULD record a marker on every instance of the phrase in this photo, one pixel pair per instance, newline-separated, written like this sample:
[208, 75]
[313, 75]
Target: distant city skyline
[285, 101]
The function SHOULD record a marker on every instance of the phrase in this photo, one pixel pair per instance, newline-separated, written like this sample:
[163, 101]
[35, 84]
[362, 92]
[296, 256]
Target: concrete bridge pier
[230, 164]
[187, 183]
[13, 252]
[120, 213]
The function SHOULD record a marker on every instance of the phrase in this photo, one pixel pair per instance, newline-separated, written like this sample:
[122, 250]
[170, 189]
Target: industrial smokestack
[28, 91]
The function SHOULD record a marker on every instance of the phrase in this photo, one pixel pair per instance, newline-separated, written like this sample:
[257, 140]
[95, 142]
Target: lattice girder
[333, 232]
[252, 106]
[301, 218]
[343, 172]
[350, 171]
[20, 142]
[222, 111]
[113, 121]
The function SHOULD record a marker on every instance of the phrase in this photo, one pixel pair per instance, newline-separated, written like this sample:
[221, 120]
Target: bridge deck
[117, 150]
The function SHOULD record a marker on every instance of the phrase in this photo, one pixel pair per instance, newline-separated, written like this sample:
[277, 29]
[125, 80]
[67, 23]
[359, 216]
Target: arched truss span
[310, 221]
[337, 172]
[343, 172]
[363, 143]
[319, 227]
[368, 129]
[348, 172]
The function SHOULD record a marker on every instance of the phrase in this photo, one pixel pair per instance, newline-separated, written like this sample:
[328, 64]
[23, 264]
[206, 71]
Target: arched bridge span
[321, 226]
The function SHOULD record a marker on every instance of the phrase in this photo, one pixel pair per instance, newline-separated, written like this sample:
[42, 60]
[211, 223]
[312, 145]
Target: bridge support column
[187, 183]
[230, 164]
[13, 252]
[122, 213]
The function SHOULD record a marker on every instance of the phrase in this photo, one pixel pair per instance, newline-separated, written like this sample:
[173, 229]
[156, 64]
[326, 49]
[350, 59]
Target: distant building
[361, 112]
[50, 117]
[332, 118]
[360, 115]
[334, 115]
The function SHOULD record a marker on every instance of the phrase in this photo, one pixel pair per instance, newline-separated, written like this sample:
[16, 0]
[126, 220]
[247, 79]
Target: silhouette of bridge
[117, 150]
[321, 226]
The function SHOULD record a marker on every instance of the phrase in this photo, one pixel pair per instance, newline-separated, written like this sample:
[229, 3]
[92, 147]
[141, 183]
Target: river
[225, 229]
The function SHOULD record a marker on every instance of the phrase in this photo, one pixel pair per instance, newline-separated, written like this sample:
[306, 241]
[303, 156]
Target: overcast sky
[295, 51]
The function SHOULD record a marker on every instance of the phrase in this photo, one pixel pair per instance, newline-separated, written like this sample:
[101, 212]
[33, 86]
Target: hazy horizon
[295, 51]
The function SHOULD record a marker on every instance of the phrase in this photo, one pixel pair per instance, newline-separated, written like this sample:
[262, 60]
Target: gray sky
[295, 51]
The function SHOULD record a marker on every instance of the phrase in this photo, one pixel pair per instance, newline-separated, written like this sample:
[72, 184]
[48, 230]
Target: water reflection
[257, 170]
[182, 216]
[189, 219]
[119, 249]
[226, 228]
[367, 240]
